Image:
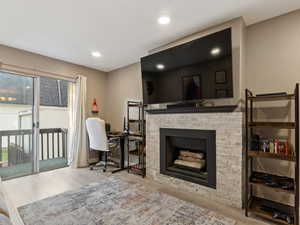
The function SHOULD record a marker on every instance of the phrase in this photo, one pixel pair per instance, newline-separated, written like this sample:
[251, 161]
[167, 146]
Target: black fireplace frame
[209, 136]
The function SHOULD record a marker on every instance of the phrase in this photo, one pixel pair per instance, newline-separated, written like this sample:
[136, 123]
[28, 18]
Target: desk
[122, 137]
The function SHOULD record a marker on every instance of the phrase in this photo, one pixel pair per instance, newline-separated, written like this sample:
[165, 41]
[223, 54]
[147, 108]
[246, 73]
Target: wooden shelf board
[272, 98]
[272, 156]
[276, 189]
[256, 203]
[135, 134]
[283, 125]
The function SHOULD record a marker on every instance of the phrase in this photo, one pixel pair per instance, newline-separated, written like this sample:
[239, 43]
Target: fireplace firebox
[189, 155]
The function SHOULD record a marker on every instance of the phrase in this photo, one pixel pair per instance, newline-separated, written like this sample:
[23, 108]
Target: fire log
[192, 154]
[196, 165]
[189, 159]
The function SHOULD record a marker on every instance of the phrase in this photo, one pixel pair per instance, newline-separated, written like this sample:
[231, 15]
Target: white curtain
[78, 154]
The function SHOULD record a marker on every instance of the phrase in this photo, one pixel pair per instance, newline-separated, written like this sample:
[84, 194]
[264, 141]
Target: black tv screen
[200, 69]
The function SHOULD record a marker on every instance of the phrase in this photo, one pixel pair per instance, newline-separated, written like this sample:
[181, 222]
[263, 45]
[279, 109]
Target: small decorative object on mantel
[95, 107]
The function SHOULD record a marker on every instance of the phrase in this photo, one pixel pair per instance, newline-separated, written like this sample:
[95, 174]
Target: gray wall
[273, 54]
[122, 85]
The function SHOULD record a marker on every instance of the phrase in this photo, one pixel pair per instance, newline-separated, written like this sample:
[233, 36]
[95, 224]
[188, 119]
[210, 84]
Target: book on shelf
[275, 146]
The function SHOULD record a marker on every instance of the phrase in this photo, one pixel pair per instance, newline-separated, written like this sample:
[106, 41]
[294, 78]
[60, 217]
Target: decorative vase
[95, 106]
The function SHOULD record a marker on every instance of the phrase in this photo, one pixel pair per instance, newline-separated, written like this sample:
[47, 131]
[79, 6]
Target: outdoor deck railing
[16, 145]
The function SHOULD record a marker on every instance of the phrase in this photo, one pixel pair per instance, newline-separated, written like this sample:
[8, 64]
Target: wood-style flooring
[24, 190]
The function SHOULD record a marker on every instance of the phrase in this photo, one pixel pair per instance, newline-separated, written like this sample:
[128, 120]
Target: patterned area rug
[116, 202]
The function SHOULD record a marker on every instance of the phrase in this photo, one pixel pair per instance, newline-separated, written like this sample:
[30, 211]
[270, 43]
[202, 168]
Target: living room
[198, 112]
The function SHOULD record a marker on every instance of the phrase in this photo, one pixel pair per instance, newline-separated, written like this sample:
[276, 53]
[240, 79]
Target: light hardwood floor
[28, 189]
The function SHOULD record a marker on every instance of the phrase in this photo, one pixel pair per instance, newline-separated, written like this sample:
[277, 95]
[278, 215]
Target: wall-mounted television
[191, 72]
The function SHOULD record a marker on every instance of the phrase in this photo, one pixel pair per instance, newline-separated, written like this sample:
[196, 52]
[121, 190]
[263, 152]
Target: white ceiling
[122, 30]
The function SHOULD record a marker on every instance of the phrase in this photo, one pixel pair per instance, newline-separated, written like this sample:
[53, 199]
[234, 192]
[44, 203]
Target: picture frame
[220, 77]
[221, 93]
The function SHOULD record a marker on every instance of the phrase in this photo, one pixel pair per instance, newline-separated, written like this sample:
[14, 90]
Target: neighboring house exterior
[18, 90]
[16, 98]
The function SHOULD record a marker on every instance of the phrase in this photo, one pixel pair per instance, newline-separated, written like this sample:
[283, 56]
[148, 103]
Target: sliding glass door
[17, 107]
[34, 124]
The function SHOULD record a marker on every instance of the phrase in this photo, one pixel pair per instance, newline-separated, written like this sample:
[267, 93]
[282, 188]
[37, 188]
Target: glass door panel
[16, 119]
[54, 112]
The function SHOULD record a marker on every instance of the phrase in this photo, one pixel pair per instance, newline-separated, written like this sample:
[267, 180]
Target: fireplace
[189, 155]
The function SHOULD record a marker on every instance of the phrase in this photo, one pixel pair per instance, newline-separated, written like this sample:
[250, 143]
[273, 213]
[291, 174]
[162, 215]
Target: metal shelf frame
[250, 154]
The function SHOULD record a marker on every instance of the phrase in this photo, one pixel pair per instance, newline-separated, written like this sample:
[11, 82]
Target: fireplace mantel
[228, 127]
[206, 109]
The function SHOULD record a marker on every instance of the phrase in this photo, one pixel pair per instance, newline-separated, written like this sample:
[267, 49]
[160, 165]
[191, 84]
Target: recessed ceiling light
[215, 51]
[160, 66]
[96, 54]
[163, 20]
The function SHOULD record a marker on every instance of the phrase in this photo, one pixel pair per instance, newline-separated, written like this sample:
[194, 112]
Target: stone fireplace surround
[229, 158]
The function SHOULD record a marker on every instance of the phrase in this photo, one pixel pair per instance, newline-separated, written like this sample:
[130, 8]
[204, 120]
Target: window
[53, 92]
[17, 90]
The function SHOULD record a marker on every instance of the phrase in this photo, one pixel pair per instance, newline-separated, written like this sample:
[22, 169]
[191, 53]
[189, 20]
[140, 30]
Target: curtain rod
[33, 72]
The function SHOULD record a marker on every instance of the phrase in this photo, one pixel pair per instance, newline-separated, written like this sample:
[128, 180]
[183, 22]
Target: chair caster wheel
[104, 170]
